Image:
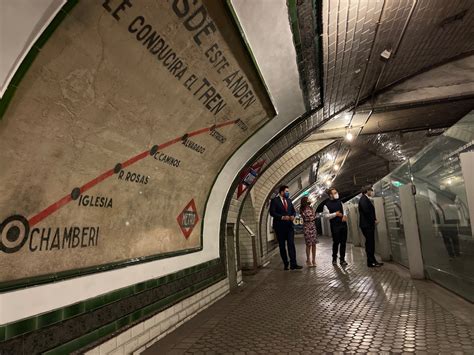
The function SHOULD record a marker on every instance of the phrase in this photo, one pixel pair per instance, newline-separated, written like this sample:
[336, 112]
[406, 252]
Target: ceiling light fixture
[386, 54]
[349, 136]
[336, 167]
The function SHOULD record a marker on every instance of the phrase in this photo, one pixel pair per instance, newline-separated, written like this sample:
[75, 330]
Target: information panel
[111, 143]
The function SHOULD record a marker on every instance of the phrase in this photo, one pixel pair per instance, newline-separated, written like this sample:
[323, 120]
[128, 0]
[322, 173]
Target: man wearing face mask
[367, 222]
[337, 214]
[283, 213]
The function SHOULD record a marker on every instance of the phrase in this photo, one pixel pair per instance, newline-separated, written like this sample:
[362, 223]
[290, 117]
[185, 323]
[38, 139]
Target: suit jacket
[366, 213]
[277, 211]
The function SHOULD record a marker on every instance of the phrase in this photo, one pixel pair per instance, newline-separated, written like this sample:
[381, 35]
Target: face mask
[335, 196]
[287, 194]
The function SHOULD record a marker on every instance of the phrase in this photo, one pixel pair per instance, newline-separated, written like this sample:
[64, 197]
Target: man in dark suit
[367, 222]
[283, 213]
[336, 212]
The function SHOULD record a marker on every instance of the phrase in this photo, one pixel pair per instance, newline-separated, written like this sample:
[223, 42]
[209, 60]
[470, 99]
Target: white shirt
[328, 215]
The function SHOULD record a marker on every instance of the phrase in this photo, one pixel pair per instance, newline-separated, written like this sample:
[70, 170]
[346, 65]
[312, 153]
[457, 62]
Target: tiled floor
[329, 309]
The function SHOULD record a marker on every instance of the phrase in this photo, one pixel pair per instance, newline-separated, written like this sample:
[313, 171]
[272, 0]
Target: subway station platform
[143, 145]
[329, 309]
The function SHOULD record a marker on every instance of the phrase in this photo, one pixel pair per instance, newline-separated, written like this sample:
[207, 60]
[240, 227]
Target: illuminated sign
[248, 177]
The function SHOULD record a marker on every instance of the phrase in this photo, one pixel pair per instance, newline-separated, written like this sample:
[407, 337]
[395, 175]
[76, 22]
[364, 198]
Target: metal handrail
[254, 244]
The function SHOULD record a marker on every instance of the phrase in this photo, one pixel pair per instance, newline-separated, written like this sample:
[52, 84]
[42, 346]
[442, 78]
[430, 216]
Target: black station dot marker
[117, 168]
[154, 149]
[75, 193]
[185, 137]
[13, 233]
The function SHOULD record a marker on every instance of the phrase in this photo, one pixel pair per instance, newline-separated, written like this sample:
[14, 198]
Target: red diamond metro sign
[188, 219]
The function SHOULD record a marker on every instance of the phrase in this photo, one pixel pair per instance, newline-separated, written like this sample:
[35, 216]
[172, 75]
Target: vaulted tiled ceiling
[276, 172]
[414, 36]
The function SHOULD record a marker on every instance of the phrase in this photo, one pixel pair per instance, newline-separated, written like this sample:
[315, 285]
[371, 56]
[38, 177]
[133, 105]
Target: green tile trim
[23, 68]
[31, 55]
[5, 100]
[50, 318]
[77, 343]
[73, 310]
[318, 15]
[64, 275]
[133, 318]
[20, 327]
[294, 22]
[295, 30]
[300, 56]
[26, 325]
[19, 74]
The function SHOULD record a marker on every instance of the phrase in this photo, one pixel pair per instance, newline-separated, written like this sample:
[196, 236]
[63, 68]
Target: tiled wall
[282, 167]
[232, 217]
[302, 20]
[265, 250]
[348, 30]
[245, 240]
[136, 339]
[94, 321]
[251, 211]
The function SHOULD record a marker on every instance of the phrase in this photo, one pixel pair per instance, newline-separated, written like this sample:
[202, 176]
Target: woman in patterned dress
[309, 230]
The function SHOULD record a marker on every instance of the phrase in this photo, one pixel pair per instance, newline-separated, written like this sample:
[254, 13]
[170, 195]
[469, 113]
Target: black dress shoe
[285, 267]
[334, 262]
[296, 267]
[343, 263]
[374, 264]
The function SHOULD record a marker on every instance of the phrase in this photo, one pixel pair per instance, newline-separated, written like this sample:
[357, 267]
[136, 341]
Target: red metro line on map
[15, 230]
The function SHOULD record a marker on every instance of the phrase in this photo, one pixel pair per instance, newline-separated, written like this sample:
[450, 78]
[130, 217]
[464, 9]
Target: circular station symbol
[13, 233]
